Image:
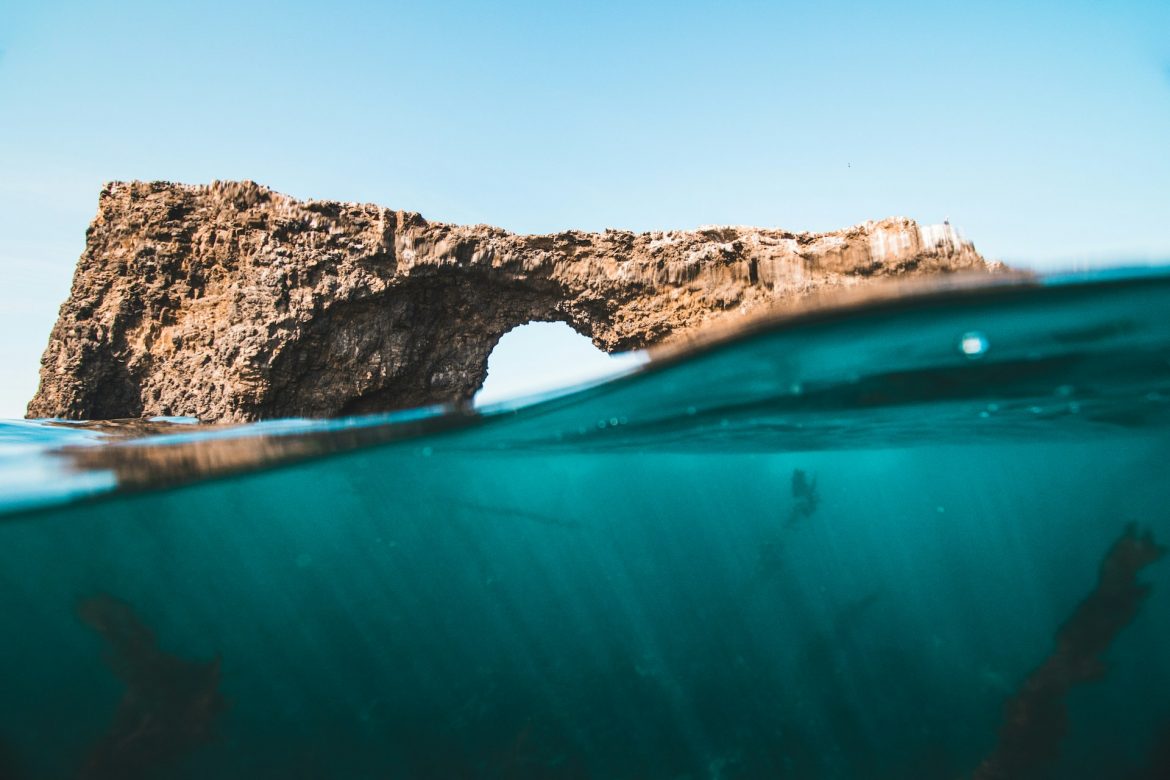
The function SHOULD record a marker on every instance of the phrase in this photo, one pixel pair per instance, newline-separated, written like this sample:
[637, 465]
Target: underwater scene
[921, 537]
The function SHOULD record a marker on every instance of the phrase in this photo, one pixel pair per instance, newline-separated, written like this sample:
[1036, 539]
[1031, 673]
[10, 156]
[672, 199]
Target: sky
[1041, 129]
[518, 366]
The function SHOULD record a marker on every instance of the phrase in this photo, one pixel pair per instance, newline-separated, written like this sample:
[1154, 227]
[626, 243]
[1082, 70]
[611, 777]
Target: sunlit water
[829, 549]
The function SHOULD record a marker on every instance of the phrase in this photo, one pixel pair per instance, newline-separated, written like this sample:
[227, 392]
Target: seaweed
[170, 706]
[1158, 767]
[10, 765]
[1036, 718]
[805, 497]
[770, 556]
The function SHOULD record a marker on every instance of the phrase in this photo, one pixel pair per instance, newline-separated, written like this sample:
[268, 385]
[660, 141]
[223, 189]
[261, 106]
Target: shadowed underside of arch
[426, 339]
[230, 302]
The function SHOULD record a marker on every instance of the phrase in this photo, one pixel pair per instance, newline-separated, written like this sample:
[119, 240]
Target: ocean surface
[914, 538]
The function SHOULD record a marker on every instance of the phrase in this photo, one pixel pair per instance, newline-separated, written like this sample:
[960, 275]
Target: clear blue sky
[1041, 129]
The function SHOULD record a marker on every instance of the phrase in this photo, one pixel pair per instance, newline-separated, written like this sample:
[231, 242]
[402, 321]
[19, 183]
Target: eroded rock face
[231, 302]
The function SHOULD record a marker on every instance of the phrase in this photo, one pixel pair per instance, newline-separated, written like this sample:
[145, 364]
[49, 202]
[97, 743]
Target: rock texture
[231, 302]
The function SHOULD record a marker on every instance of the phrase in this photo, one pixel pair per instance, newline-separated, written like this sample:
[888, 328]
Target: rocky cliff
[231, 302]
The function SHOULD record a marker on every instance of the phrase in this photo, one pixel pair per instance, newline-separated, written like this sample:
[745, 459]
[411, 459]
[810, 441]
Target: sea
[920, 537]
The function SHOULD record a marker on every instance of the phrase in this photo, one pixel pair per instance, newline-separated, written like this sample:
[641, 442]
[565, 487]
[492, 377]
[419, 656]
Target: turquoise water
[832, 547]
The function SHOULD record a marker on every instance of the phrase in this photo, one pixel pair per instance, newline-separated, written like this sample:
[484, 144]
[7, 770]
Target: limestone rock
[231, 302]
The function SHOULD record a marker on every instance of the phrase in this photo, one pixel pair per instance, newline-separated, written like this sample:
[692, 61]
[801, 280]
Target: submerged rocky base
[231, 302]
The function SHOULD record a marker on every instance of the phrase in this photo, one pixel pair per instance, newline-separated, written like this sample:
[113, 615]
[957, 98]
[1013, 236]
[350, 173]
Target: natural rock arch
[231, 302]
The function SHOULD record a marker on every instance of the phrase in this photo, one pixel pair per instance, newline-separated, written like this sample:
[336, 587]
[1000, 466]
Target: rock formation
[231, 302]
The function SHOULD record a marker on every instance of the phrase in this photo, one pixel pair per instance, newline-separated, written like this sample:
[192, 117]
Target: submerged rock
[231, 302]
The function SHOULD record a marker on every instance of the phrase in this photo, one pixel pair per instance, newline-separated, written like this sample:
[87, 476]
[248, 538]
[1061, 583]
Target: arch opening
[540, 357]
